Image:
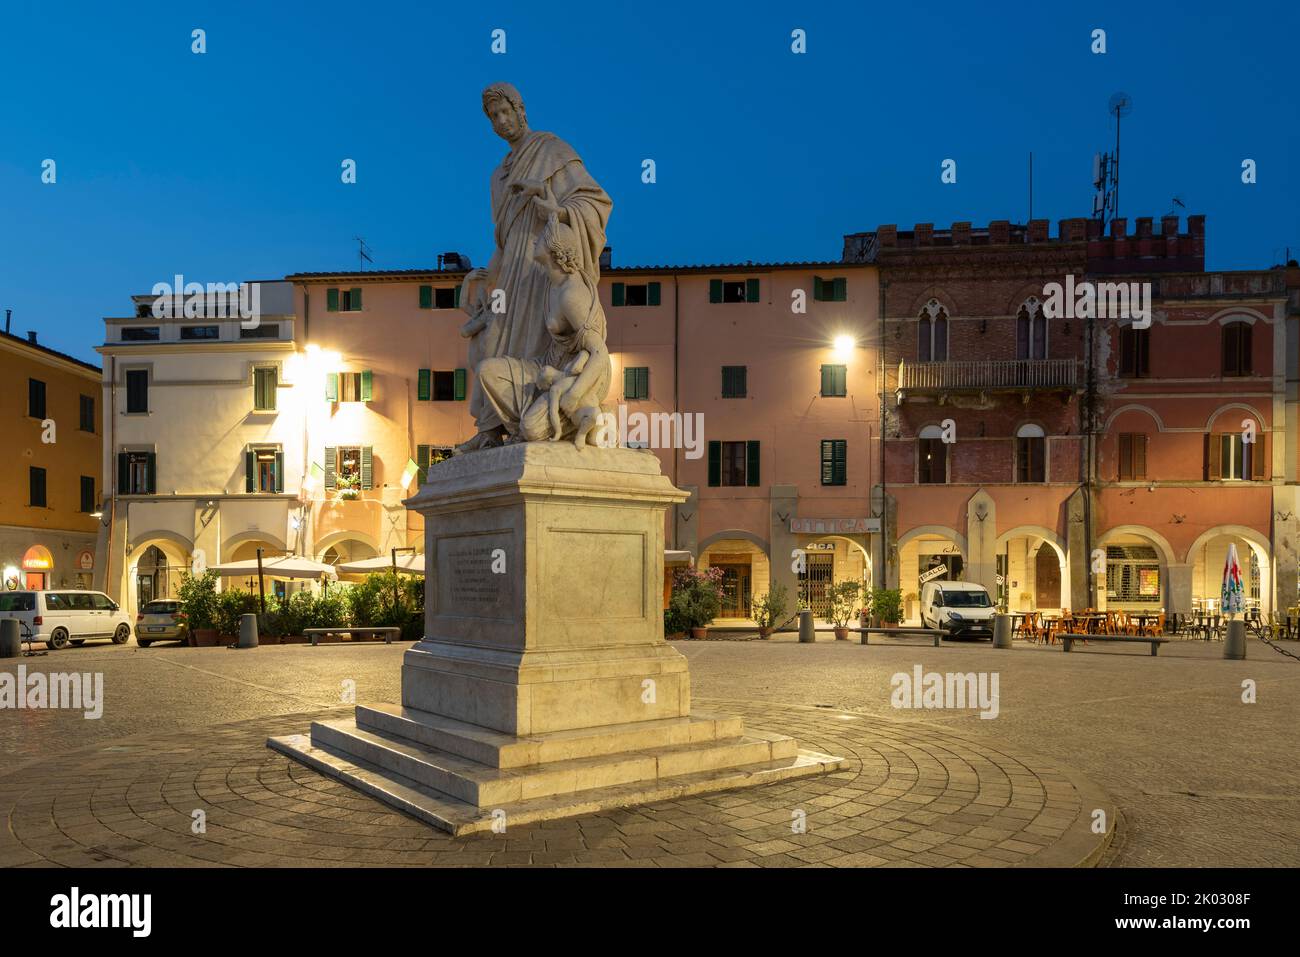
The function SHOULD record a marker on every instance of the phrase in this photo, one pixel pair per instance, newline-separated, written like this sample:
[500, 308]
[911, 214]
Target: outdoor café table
[1017, 622]
[1207, 625]
[1142, 618]
[1089, 622]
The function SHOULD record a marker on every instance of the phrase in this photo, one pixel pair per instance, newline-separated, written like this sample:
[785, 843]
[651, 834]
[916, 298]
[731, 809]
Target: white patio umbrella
[406, 565]
[280, 566]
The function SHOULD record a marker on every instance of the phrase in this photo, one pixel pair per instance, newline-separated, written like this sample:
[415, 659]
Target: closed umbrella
[1233, 593]
[406, 565]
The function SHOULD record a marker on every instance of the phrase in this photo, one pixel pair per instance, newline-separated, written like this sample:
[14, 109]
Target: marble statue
[536, 327]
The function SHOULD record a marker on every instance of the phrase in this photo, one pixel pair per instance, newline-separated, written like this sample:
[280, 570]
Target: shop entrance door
[144, 591]
[36, 581]
[1047, 578]
[815, 584]
[736, 581]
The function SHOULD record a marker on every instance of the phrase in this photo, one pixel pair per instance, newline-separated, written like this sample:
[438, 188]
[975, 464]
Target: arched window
[1031, 330]
[1236, 348]
[931, 456]
[932, 333]
[1031, 454]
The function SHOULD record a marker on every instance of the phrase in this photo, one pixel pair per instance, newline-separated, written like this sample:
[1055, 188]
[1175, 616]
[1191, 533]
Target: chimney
[1169, 226]
[961, 234]
[999, 232]
[1196, 225]
[1144, 227]
[887, 235]
[1119, 228]
[606, 257]
[9, 314]
[1038, 230]
[31, 336]
[923, 234]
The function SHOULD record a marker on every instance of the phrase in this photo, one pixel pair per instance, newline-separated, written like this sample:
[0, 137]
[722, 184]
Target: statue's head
[558, 246]
[505, 108]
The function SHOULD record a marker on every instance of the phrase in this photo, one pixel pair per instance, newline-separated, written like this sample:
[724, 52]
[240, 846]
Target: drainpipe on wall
[676, 399]
[112, 469]
[884, 487]
[303, 507]
[1088, 426]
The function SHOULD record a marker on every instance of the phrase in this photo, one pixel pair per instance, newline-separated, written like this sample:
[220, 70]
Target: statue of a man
[539, 178]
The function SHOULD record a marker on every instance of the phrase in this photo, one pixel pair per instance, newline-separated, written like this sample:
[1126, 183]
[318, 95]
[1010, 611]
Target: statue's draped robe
[520, 332]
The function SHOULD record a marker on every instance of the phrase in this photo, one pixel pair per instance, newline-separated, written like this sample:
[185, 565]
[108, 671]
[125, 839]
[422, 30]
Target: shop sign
[938, 571]
[834, 526]
[86, 560]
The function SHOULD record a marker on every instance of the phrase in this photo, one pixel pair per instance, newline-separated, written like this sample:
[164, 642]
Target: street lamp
[844, 346]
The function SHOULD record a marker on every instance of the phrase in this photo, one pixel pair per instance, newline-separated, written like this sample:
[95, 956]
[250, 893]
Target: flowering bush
[696, 598]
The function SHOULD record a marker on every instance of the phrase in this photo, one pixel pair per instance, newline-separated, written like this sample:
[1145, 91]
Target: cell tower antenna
[363, 253]
[1121, 105]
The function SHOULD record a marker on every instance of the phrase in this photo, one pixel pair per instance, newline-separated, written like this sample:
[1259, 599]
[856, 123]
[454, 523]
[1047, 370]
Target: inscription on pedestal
[474, 576]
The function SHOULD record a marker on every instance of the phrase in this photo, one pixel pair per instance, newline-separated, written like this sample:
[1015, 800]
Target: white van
[66, 616]
[963, 609]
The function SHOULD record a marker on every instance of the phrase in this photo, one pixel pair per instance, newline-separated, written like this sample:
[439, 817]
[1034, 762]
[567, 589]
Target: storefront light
[844, 347]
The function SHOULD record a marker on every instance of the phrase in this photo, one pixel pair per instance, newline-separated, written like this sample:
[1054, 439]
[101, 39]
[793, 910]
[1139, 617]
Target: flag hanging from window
[409, 473]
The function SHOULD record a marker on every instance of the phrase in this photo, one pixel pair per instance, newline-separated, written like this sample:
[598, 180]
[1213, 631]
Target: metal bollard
[248, 631]
[806, 632]
[11, 640]
[1001, 631]
[1234, 642]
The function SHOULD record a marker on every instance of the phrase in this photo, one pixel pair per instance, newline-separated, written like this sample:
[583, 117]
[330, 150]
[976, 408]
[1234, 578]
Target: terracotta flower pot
[841, 634]
[206, 637]
[699, 633]
[765, 632]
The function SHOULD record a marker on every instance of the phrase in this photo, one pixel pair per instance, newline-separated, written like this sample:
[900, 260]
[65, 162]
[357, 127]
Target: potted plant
[843, 603]
[198, 597]
[348, 487]
[887, 605]
[769, 608]
[696, 598]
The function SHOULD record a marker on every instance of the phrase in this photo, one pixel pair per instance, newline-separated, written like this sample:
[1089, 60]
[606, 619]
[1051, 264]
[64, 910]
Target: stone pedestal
[543, 686]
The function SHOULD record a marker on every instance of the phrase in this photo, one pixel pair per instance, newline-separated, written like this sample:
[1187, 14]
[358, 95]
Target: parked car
[160, 620]
[963, 609]
[62, 617]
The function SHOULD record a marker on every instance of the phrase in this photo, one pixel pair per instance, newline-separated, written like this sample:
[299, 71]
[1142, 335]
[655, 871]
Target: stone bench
[389, 632]
[1068, 640]
[935, 633]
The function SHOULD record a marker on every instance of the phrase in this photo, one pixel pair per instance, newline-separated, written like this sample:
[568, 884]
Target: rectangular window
[429, 455]
[734, 384]
[200, 332]
[830, 290]
[1031, 459]
[36, 487]
[636, 382]
[137, 391]
[932, 467]
[87, 423]
[136, 473]
[263, 330]
[441, 297]
[733, 290]
[1134, 352]
[264, 470]
[1229, 457]
[36, 398]
[835, 454]
[352, 469]
[265, 382]
[1236, 349]
[444, 386]
[87, 494]
[635, 294]
[733, 463]
[1132, 456]
[835, 381]
[140, 334]
[350, 386]
[343, 300]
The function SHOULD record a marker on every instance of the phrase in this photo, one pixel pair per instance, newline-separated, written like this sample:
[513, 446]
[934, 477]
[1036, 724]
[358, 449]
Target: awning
[678, 557]
[281, 566]
[406, 565]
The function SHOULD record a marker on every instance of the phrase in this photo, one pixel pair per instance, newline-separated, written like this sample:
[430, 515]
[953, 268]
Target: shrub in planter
[696, 598]
[198, 597]
[770, 608]
[887, 605]
[843, 605]
[231, 606]
[370, 603]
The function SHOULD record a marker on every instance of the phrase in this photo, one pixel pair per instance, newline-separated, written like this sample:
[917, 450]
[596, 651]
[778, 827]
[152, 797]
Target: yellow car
[160, 620]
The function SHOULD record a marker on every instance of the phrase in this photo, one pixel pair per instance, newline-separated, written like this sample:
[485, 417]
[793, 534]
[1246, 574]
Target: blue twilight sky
[226, 166]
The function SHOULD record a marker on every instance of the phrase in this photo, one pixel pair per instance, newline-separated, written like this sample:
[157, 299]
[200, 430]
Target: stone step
[481, 785]
[499, 750]
[459, 817]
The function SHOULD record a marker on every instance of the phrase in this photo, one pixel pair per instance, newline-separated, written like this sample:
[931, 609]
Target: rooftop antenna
[1121, 104]
[363, 253]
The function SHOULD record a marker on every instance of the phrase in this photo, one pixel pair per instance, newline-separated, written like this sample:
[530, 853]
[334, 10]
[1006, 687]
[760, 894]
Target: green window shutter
[652, 294]
[331, 300]
[841, 290]
[618, 294]
[423, 390]
[367, 386]
[250, 467]
[817, 288]
[422, 460]
[643, 383]
[332, 387]
[279, 471]
[455, 297]
[827, 475]
[123, 474]
[151, 472]
[751, 290]
[715, 290]
[841, 380]
[834, 462]
[356, 299]
[828, 380]
[460, 385]
[331, 459]
[715, 464]
[751, 463]
[426, 297]
[367, 467]
[629, 383]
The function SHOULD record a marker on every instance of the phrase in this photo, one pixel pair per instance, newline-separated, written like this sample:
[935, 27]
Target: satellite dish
[1121, 104]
